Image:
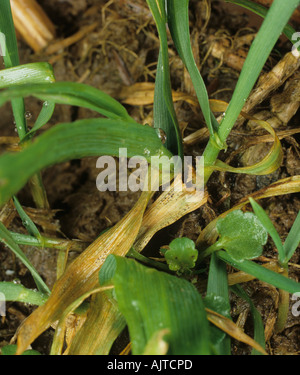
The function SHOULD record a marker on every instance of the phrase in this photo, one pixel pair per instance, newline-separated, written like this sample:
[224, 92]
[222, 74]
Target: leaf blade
[262, 11]
[259, 334]
[32, 73]
[292, 241]
[70, 93]
[175, 305]
[165, 116]
[267, 223]
[8, 241]
[90, 137]
[262, 273]
[178, 22]
[242, 235]
[18, 292]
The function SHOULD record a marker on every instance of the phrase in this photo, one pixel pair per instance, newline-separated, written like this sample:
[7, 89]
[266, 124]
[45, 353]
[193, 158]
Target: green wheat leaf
[19, 293]
[262, 273]
[9, 242]
[70, 93]
[83, 138]
[164, 113]
[152, 301]
[262, 11]
[178, 22]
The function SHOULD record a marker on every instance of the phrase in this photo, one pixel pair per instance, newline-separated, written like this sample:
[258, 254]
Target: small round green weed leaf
[242, 235]
[182, 255]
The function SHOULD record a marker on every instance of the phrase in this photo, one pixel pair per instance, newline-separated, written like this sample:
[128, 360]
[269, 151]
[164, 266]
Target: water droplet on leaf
[28, 115]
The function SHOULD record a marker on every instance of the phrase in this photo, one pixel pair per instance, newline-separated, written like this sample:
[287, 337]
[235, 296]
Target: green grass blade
[262, 273]
[10, 48]
[49, 242]
[165, 116]
[178, 22]
[11, 59]
[39, 72]
[217, 289]
[83, 138]
[151, 301]
[43, 117]
[18, 293]
[262, 11]
[25, 239]
[27, 222]
[259, 334]
[30, 74]
[18, 108]
[162, 118]
[268, 34]
[70, 93]
[293, 239]
[217, 279]
[26, 74]
[267, 223]
[8, 241]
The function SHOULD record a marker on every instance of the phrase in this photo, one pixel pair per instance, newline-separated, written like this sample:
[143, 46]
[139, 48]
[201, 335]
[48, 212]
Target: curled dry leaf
[82, 274]
[232, 329]
[142, 93]
[169, 207]
[103, 314]
[268, 164]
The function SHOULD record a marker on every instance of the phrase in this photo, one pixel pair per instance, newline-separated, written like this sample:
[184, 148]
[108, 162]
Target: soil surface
[120, 51]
